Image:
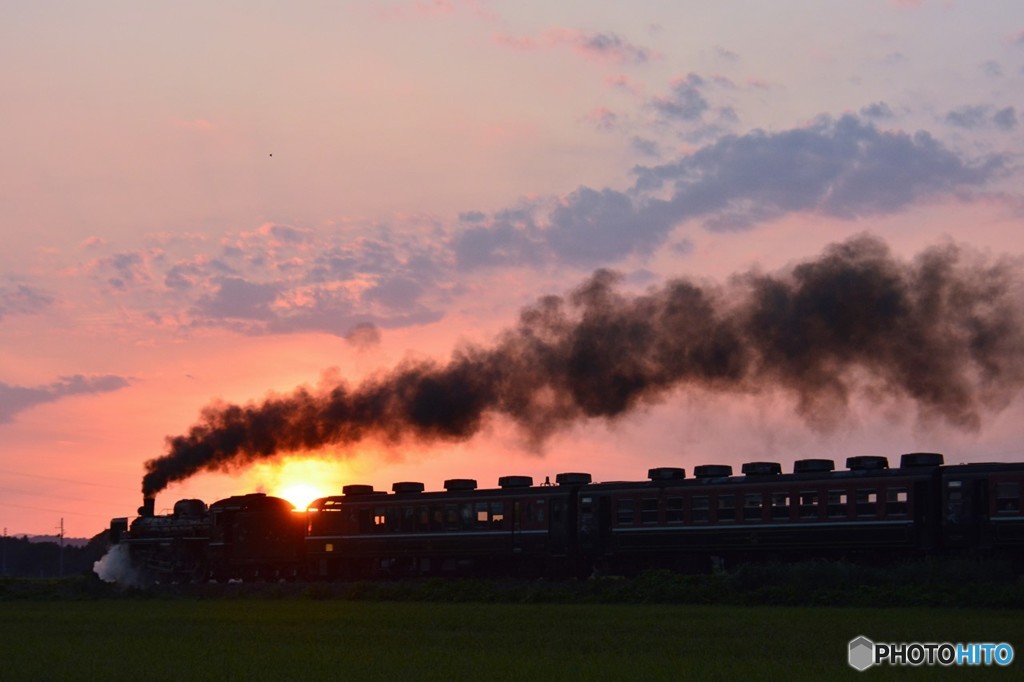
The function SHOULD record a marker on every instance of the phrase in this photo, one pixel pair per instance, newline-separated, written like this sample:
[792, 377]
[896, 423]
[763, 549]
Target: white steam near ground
[116, 567]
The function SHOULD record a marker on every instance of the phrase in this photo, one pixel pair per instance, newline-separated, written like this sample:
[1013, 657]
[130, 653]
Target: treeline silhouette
[23, 558]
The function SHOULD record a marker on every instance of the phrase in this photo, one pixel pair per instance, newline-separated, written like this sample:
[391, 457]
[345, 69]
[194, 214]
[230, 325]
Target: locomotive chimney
[148, 506]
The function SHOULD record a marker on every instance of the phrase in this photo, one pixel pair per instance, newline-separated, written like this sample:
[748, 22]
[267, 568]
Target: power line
[51, 511]
[70, 498]
[62, 480]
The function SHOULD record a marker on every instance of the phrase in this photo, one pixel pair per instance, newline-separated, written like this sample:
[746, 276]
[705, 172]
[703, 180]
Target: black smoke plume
[945, 330]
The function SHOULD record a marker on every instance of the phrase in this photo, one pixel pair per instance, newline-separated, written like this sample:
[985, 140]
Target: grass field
[303, 639]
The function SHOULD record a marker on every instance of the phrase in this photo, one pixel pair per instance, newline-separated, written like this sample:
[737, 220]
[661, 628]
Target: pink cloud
[435, 8]
[602, 118]
[624, 82]
[516, 42]
[200, 125]
[600, 47]
[93, 242]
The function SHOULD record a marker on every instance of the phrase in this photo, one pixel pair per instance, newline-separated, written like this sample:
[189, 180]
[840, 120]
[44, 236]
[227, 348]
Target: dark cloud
[509, 239]
[472, 216]
[185, 275]
[992, 69]
[22, 299]
[877, 110]
[982, 116]
[969, 117]
[685, 101]
[15, 399]
[1005, 119]
[398, 291]
[237, 298]
[612, 46]
[644, 146]
[603, 119]
[602, 46]
[331, 313]
[844, 168]
[363, 336]
[726, 55]
[594, 226]
[288, 234]
[943, 333]
[129, 269]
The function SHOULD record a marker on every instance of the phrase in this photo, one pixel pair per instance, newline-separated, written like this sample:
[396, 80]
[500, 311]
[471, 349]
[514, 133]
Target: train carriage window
[896, 502]
[699, 509]
[954, 501]
[837, 500]
[726, 507]
[408, 519]
[466, 514]
[780, 505]
[867, 502]
[838, 503]
[481, 515]
[557, 511]
[394, 516]
[380, 519]
[540, 512]
[624, 511]
[497, 515]
[649, 510]
[674, 510]
[436, 517]
[1007, 497]
[451, 517]
[422, 519]
[808, 504]
[753, 507]
[364, 521]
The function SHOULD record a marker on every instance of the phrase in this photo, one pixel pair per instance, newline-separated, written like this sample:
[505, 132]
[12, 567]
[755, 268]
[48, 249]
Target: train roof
[916, 464]
[251, 502]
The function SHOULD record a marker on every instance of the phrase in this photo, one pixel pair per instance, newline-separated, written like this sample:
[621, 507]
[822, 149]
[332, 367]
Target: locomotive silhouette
[576, 527]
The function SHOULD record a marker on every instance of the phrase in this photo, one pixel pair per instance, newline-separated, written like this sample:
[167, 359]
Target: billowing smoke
[945, 331]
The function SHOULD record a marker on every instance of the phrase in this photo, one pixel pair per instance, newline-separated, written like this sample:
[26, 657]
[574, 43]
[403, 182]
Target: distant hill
[68, 542]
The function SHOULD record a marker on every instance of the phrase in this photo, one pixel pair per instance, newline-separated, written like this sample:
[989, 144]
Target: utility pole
[3, 554]
[61, 547]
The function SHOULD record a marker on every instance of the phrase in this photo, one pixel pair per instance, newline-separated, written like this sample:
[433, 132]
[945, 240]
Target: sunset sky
[212, 202]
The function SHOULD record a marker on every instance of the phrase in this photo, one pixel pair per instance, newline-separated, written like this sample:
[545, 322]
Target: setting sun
[300, 481]
[300, 494]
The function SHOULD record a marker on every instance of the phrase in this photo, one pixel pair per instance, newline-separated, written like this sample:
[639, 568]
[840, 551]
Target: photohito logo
[863, 653]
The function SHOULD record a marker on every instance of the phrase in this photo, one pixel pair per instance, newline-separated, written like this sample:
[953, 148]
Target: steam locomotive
[576, 527]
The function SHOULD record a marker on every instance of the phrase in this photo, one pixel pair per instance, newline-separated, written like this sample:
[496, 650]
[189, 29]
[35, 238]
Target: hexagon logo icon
[862, 653]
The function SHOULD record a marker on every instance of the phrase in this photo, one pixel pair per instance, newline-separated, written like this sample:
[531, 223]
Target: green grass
[307, 639]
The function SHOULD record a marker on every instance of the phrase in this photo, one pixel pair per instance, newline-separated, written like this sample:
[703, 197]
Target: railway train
[576, 527]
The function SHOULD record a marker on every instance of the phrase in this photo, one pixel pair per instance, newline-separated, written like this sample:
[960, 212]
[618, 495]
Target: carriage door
[964, 507]
[587, 523]
[559, 526]
[594, 522]
[517, 527]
